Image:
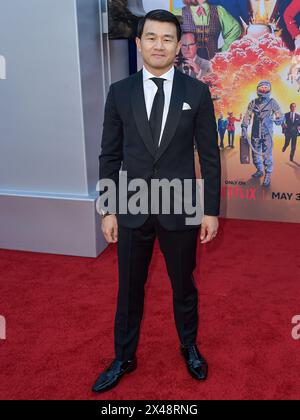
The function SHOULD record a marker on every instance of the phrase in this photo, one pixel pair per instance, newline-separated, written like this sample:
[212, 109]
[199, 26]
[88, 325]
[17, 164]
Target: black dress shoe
[196, 364]
[112, 375]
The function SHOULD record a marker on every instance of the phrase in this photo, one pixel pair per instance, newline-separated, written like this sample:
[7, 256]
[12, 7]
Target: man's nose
[159, 44]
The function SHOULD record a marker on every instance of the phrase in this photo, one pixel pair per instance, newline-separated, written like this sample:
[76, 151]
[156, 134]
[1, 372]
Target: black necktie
[157, 110]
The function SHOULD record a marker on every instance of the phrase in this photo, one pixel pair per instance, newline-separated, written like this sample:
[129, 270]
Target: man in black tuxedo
[291, 130]
[151, 121]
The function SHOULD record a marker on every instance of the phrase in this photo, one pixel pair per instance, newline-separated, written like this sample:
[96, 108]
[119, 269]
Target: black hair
[159, 15]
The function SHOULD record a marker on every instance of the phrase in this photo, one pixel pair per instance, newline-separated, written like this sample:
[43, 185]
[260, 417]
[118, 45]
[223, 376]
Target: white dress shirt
[150, 89]
[293, 116]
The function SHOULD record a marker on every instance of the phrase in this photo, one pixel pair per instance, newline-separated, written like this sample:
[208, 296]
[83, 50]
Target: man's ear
[178, 47]
[138, 43]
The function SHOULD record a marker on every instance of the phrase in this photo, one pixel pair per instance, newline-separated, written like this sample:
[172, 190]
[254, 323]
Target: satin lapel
[175, 110]
[138, 105]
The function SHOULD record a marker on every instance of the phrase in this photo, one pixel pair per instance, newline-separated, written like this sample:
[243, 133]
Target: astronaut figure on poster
[262, 109]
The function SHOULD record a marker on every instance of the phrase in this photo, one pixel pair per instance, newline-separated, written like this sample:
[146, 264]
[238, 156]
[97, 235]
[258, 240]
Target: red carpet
[60, 311]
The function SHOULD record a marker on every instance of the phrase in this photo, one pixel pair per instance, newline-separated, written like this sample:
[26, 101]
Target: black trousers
[291, 138]
[222, 135]
[135, 247]
[231, 138]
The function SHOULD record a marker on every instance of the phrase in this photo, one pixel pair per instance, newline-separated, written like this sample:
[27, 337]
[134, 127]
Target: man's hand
[209, 229]
[110, 228]
[196, 69]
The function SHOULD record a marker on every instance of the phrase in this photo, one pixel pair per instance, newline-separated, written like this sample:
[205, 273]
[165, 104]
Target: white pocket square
[186, 107]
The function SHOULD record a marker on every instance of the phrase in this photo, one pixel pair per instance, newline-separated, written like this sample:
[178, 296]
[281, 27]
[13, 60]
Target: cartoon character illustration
[263, 19]
[294, 72]
[288, 13]
[209, 22]
[237, 8]
[290, 18]
[190, 63]
[222, 127]
[231, 120]
[262, 109]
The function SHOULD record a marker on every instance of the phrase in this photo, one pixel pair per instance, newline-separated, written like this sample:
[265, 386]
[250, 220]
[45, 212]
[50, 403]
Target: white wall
[51, 111]
[156, 4]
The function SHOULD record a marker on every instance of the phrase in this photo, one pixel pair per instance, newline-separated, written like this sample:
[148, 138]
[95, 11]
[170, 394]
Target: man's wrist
[105, 213]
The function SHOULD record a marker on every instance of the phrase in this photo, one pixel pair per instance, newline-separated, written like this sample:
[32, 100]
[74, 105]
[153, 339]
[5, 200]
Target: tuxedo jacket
[292, 127]
[127, 143]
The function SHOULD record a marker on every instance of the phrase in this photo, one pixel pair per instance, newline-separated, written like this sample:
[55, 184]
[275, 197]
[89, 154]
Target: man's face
[188, 46]
[158, 44]
[293, 107]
